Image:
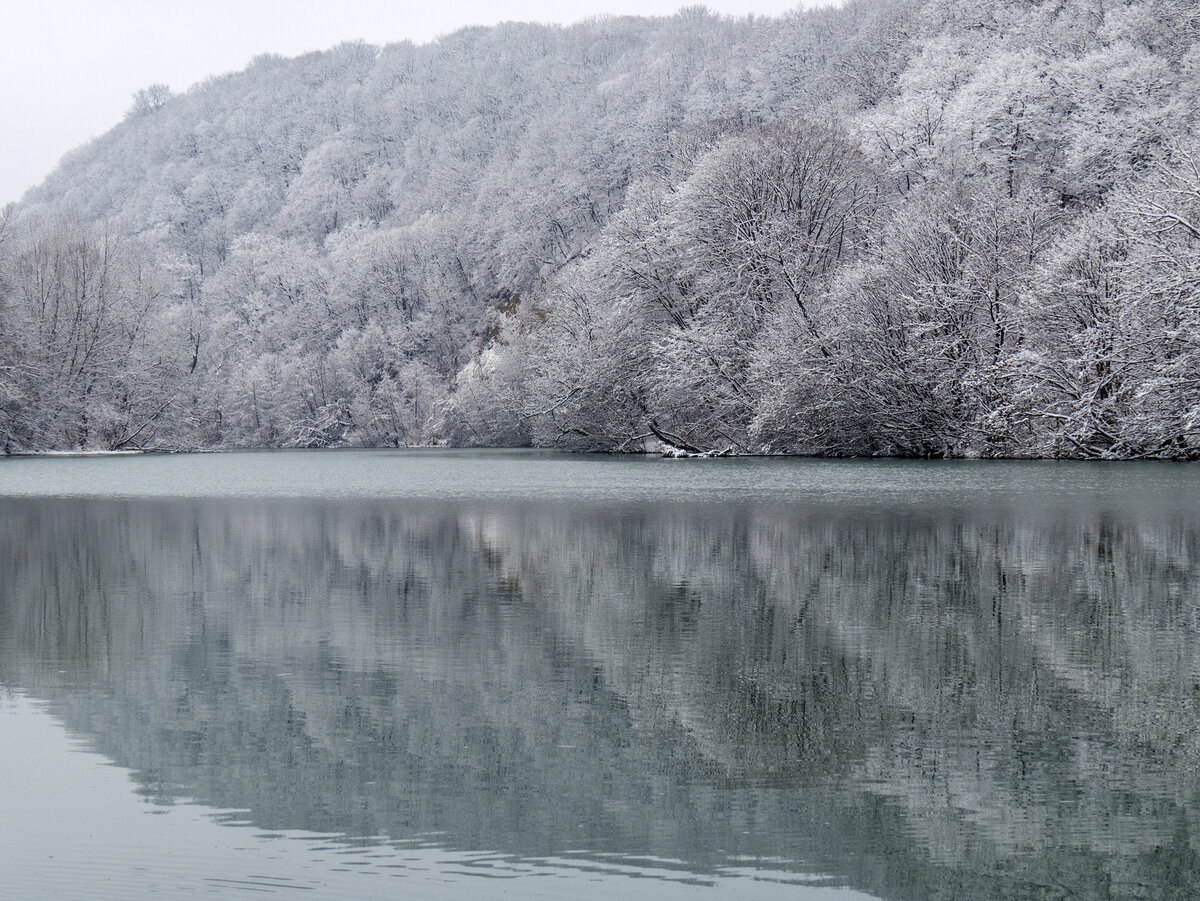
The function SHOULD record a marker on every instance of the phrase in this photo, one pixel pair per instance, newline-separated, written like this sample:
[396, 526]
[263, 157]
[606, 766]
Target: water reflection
[983, 704]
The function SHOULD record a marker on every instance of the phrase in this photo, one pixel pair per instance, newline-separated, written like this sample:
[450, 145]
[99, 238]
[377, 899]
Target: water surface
[457, 674]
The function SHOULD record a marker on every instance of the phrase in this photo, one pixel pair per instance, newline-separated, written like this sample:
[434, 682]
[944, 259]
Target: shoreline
[665, 454]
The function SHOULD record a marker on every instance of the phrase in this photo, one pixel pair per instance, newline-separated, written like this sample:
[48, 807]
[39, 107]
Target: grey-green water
[431, 674]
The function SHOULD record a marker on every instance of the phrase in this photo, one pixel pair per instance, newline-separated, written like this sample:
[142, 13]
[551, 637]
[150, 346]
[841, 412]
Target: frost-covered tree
[892, 227]
[83, 369]
[1115, 347]
[149, 99]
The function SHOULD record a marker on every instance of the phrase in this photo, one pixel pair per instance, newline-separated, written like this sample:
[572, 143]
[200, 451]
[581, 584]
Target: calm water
[463, 675]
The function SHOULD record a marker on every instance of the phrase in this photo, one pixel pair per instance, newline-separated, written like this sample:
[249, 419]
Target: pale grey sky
[68, 68]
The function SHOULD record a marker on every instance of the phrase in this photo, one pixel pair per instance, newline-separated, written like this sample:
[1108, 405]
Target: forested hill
[914, 227]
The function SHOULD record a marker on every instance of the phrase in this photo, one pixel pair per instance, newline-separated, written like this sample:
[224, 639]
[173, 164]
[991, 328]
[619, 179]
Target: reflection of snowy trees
[992, 700]
[925, 227]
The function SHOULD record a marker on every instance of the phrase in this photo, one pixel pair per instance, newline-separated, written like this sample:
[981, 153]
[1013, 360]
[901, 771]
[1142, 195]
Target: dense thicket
[897, 227]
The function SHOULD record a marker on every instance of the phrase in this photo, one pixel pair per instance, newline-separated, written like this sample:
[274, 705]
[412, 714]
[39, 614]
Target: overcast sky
[68, 68]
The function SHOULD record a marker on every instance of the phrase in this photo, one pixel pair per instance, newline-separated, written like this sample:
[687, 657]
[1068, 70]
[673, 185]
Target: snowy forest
[893, 227]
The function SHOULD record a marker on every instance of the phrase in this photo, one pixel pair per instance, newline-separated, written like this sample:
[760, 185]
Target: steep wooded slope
[897, 227]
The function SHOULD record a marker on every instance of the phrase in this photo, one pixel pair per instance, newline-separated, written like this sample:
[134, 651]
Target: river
[461, 674]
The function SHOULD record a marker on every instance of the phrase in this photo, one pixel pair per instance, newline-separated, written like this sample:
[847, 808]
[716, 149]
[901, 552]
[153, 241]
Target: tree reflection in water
[965, 703]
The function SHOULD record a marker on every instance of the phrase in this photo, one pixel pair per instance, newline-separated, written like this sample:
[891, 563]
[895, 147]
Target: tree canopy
[906, 227]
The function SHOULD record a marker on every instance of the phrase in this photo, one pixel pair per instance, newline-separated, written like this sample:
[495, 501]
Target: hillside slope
[897, 227]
